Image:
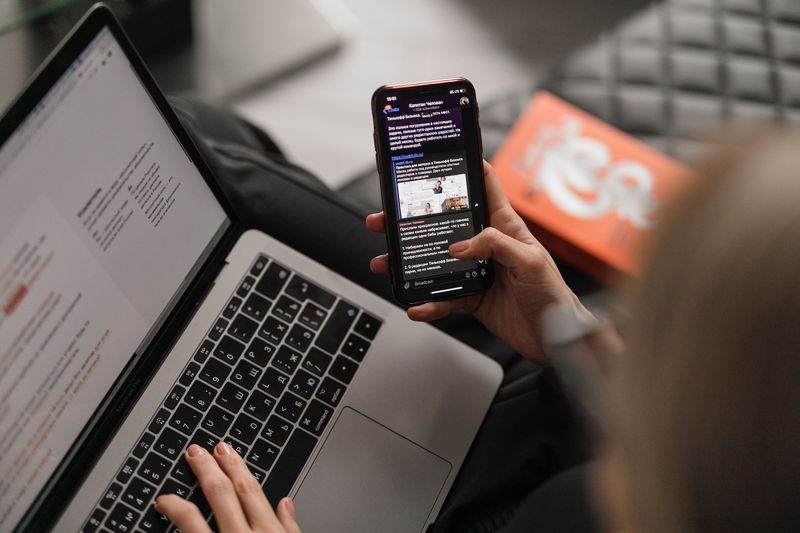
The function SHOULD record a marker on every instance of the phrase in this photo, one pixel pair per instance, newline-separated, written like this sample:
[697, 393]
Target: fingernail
[223, 449]
[459, 247]
[194, 450]
[290, 508]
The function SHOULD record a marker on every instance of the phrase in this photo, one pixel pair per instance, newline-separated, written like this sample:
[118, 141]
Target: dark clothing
[437, 190]
[530, 433]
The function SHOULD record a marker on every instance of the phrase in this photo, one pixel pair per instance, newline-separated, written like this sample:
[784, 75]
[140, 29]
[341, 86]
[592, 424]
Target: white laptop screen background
[103, 218]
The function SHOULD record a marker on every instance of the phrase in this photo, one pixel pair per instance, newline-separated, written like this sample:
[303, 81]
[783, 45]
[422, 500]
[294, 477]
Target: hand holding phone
[527, 282]
[429, 156]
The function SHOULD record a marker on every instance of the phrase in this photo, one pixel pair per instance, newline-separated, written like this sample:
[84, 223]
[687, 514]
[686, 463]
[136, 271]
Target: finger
[251, 497]
[218, 490]
[184, 514]
[376, 222]
[287, 516]
[436, 310]
[495, 195]
[379, 264]
[494, 244]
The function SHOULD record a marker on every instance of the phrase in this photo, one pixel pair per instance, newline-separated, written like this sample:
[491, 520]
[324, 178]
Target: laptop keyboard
[266, 379]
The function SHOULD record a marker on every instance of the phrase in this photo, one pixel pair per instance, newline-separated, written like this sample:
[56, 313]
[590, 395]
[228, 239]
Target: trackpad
[368, 478]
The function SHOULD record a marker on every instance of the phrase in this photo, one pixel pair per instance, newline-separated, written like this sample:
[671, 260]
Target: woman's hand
[235, 497]
[526, 278]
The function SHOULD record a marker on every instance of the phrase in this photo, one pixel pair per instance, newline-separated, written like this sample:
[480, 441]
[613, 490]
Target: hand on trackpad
[368, 478]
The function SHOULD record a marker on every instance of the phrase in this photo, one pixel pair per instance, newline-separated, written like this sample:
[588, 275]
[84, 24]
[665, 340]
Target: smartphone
[430, 160]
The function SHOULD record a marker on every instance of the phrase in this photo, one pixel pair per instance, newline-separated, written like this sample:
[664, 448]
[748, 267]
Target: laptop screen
[103, 220]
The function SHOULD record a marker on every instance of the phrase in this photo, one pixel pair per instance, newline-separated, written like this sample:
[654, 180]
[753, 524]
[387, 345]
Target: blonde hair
[709, 390]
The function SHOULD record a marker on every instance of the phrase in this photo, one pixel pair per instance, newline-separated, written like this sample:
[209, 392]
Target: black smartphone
[430, 160]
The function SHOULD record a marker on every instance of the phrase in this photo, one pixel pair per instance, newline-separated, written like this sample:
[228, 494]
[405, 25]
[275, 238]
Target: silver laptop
[137, 317]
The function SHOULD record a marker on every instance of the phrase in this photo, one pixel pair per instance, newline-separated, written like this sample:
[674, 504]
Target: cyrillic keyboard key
[273, 382]
[263, 454]
[154, 468]
[259, 405]
[289, 464]
[286, 308]
[231, 397]
[122, 519]
[312, 316]
[246, 374]
[217, 421]
[237, 446]
[276, 430]
[153, 522]
[170, 443]
[273, 330]
[245, 428]
[290, 407]
[332, 335]
[183, 473]
[205, 440]
[286, 359]
[185, 419]
[256, 307]
[242, 328]
[214, 372]
[304, 384]
[272, 281]
[171, 486]
[260, 352]
[200, 395]
[138, 494]
[299, 338]
[302, 290]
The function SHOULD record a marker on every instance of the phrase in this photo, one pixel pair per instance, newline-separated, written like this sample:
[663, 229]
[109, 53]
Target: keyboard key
[290, 407]
[331, 391]
[174, 397]
[173, 487]
[289, 465]
[230, 310]
[286, 308]
[237, 446]
[263, 454]
[256, 307]
[260, 352]
[299, 338]
[111, 496]
[143, 445]
[229, 350]
[214, 372]
[154, 468]
[317, 361]
[367, 325]
[304, 384]
[199, 499]
[246, 286]
[189, 373]
[259, 405]
[218, 329]
[138, 494]
[158, 421]
[312, 316]
[243, 328]
[200, 395]
[273, 330]
[204, 351]
[316, 417]
[170, 443]
[185, 419]
[332, 335]
[127, 470]
[183, 473]
[122, 519]
[273, 382]
[343, 369]
[245, 428]
[272, 281]
[94, 522]
[286, 359]
[360, 351]
[231, 397]
[246, 375]
[205, 440]
[259, 474]
[276, 430]
[302, 290]
[355, 347]
[217, 421]
[258, 266]
[153, 522]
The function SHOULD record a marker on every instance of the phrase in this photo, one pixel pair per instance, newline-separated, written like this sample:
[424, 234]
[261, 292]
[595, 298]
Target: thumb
[286, 515]
[494, 244]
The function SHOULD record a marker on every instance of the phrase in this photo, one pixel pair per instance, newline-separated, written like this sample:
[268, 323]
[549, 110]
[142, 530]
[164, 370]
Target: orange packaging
[589, 191]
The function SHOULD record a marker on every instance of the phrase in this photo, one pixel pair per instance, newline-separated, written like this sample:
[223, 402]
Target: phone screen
[430, 158]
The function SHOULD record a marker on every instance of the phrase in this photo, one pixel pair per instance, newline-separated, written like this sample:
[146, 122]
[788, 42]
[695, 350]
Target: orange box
[589, 191]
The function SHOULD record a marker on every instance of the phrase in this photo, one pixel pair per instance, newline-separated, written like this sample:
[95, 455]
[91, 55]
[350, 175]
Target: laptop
[138, 316]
